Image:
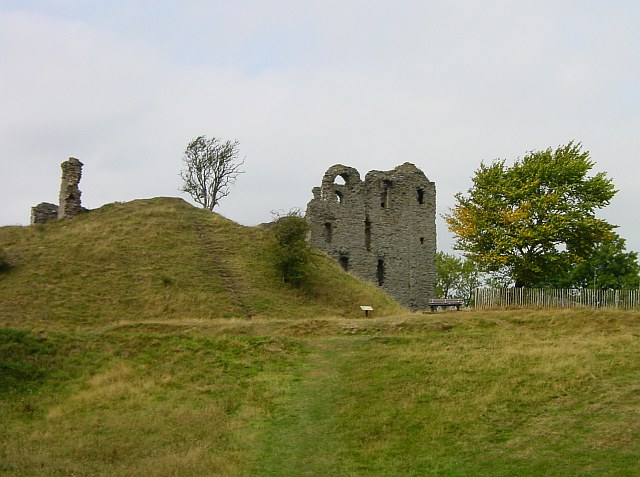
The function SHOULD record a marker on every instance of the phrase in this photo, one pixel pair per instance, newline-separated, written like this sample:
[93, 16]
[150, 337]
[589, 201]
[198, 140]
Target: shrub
[4, 261]
[292, 254]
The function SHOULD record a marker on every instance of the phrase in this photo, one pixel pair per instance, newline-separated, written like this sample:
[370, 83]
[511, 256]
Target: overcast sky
[305, 84]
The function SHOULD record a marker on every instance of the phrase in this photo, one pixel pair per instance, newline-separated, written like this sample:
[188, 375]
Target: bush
[4, 261]
[292, 255]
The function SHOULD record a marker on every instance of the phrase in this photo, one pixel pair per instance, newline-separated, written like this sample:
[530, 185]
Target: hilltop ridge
[162, 258]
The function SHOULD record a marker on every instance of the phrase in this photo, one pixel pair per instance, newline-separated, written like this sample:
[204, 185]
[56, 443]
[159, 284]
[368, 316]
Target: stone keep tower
[381, 229]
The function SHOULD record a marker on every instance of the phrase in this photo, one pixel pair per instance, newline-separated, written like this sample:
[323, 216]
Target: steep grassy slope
[162, 259]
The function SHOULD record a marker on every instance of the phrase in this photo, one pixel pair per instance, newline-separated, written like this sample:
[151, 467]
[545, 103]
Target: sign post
[366, 309]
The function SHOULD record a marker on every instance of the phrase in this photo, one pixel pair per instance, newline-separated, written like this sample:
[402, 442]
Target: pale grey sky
[125, 85]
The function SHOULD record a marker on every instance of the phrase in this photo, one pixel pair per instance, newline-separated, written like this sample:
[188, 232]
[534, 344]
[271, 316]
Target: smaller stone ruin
[70, 204]
[44, 212]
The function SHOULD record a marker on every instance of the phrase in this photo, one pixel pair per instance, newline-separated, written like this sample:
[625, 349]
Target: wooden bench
[434, 303]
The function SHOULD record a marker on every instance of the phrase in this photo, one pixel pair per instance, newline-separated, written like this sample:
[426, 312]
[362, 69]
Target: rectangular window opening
[367, 234]
[328, 232]
[384, 196]
[344, 263]
[380, 272]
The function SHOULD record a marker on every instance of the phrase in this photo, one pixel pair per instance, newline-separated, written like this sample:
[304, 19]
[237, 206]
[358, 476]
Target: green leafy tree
[212, 167]
[447, 273]
[608, 267]
[535, 218]
[292, 254]
[498, 279]
[456, 277]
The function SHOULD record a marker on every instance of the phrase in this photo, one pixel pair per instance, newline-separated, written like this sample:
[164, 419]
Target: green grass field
[167, 361]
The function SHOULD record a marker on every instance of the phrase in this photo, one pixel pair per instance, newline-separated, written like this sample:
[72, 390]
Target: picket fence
[555, 298]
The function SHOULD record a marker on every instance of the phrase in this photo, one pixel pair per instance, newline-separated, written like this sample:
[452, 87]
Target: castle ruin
[70, 204]
[69, 200]
[381, 229]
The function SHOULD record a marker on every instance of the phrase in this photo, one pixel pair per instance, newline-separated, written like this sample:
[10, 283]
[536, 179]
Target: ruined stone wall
[70, 203]
[44, 212]
[381, 229]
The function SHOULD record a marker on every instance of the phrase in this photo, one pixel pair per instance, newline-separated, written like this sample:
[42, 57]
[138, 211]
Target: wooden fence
[555, 298]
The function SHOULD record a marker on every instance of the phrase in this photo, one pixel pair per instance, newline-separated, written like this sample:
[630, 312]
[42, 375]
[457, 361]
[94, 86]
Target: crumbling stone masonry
[70, 204]
[381, 229]
[44, 212]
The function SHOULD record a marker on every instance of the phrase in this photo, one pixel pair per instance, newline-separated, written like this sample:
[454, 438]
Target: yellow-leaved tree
[534, 219]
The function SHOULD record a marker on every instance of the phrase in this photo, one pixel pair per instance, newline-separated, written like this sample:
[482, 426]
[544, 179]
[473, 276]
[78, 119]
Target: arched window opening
[339, 196]
[421, 196]
[344, 262]
[340, 180]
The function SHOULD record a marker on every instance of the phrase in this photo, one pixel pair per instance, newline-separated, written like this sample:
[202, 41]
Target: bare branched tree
[212, 167]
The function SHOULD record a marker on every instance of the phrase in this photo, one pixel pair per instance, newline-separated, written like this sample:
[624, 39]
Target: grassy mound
[162, 259]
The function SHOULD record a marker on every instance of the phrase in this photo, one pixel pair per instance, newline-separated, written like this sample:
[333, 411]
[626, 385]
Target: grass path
[302, 439]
